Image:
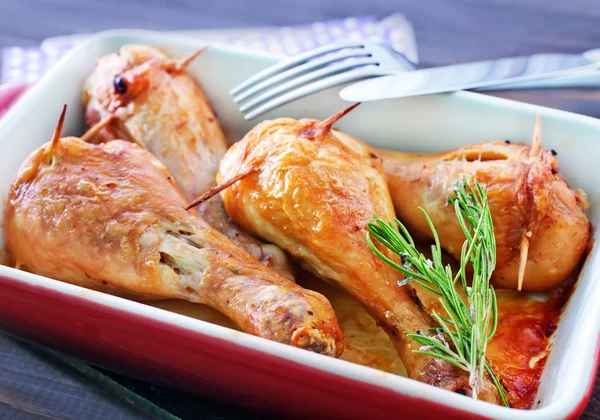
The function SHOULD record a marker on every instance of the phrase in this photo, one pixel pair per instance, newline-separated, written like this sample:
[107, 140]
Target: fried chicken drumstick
[539, 222]
[150, 100]
[312, 191]
[108, 217]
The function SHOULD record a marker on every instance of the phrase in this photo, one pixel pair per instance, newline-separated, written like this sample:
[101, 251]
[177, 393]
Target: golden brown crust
[164, 110]
[527, 196]
[312, 193]
[109, 217]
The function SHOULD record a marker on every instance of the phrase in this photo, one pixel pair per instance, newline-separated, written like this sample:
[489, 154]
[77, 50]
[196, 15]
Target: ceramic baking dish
[198, 356]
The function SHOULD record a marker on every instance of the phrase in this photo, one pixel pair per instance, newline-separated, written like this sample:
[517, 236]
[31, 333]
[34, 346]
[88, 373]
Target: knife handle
[578, 79]
[582, 80]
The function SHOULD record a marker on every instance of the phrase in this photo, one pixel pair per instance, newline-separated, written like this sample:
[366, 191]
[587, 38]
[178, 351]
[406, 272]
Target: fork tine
[292, 62]
[299, 70]
[309, 77]
[317, 86]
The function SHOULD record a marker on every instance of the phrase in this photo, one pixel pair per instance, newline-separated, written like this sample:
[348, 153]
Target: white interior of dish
[426, 124]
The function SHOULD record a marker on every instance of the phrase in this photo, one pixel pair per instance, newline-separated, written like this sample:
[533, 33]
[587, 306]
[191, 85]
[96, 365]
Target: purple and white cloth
[27, 65]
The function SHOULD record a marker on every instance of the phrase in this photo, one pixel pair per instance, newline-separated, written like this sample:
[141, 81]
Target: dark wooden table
[447, 32]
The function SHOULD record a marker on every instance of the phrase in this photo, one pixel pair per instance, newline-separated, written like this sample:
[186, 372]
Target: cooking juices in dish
[518, 350]
[118, 219]
[526, 322]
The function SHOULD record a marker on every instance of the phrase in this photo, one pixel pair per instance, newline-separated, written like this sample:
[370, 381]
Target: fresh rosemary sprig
[469, 326]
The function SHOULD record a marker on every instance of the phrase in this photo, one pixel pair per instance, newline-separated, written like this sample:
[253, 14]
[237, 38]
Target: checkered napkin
[27, 65]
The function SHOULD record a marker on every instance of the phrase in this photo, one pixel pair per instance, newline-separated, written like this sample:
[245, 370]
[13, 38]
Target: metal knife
[514, 72]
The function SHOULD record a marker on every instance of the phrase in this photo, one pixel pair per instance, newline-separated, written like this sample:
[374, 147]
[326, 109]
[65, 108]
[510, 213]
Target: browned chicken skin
[312, 191]
[529, 200]
[156, 104]
[109, 217]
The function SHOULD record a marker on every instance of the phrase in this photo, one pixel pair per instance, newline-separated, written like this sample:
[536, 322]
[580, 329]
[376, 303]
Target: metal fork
[316, 70]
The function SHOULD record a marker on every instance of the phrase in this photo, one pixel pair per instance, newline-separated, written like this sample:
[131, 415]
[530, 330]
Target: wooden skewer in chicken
[108, 217]
[312, 191]
[539, 222]
[150, 100]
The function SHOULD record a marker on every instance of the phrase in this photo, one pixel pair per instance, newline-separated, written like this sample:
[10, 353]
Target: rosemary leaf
[463, 334]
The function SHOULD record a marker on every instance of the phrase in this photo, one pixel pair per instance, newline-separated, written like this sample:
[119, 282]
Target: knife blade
[477, 75]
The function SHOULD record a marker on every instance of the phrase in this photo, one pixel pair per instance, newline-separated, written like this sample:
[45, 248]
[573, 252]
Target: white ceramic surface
[425, 124]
